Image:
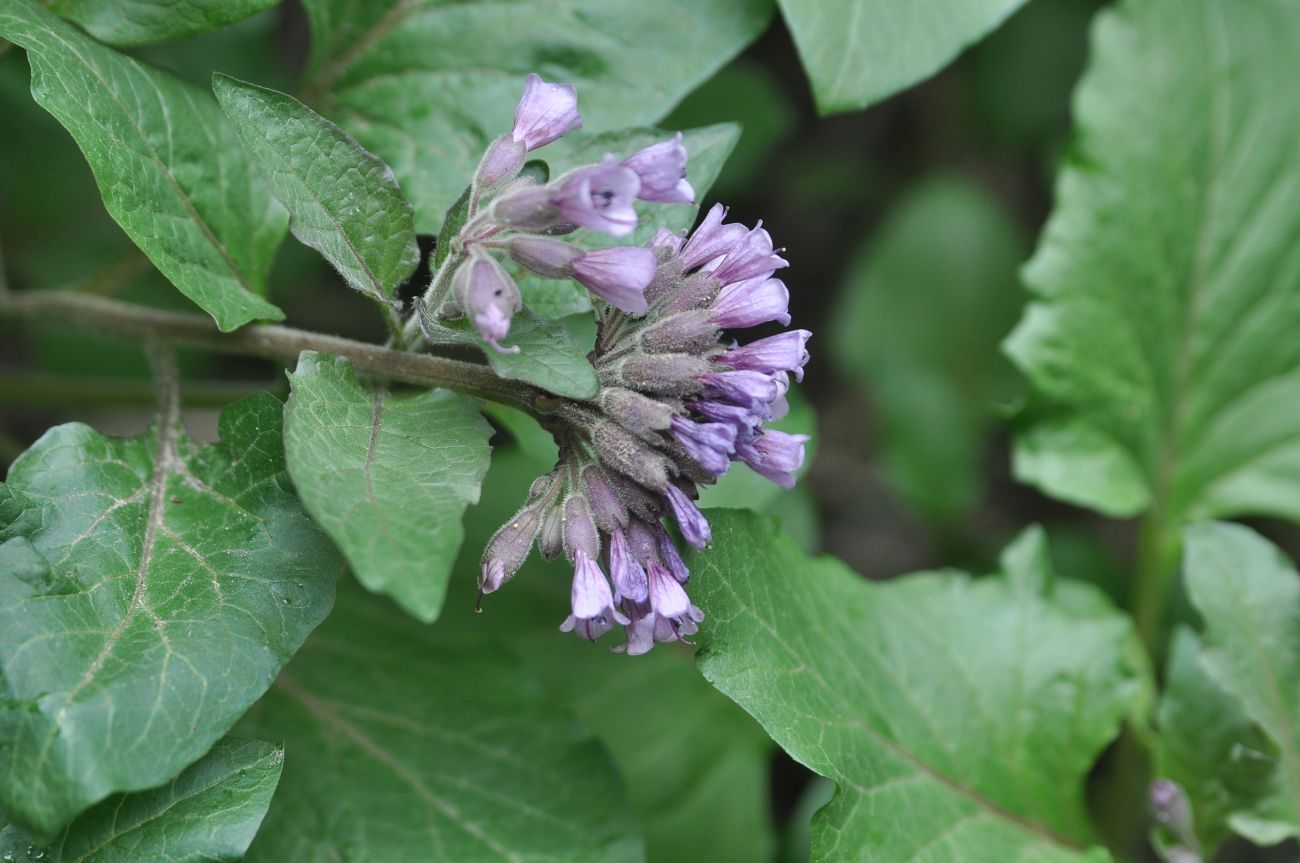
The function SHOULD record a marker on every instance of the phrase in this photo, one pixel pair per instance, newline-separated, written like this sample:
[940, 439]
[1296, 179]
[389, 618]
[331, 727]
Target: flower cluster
[677, 404]
[523, 219]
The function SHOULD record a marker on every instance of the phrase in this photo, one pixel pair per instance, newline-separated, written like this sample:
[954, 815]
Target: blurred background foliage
[906, 225]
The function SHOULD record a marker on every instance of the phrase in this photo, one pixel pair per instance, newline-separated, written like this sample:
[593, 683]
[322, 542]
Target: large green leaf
[1167, 284]
[388, 477]
[959, 717]
[1249, 596]
[708, 148]
[167, 162]
[404, 746]
[152, 591]
[857, 52]
[919, 325]
[427, 84]
[208, 813]
[343, 201]
[1210, 747]
[140, 22]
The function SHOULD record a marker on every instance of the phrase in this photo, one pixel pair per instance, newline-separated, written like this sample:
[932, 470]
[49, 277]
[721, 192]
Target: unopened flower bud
[545, 112]
[689, 332]
[550, 537]
[665, 374]
[1171, 808]
[544, 256]
[488, 296]
[502, 161]
[638, 413]
[662, 169]
[508, 548]
[624, 453]
[527, 207]
[672, 559]
[626, 571]
[580, 529]
[608, 511]
[696, 291]
[694, 526]
[638, 501]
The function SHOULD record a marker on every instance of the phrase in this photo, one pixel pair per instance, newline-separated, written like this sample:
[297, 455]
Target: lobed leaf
[167, 162]
[152, 588]
[1249, 596]
[857, 52]
[958, 717]
[208, 813]
[403, 746]
[343, 201]
[141, 22]
[1166, 287]
[388, 477]
[427, 84]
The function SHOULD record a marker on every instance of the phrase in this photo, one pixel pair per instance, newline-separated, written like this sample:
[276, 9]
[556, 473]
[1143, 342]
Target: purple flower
[593, 605]
[749, 389]
[775, 455]
[618, 275]
[545, 112]
[672, 559]
[580, 534]
[742, 419]
[502, 161]
[677, 615]
[711, 239]
[488, 296]
[710, 444]
[693, 524]
[751, 257]
[545, 256]
[662, 169]
[750, 303]
[492, 576]
[783, 352]
[599, 197]
[629, 577]
[666, 239]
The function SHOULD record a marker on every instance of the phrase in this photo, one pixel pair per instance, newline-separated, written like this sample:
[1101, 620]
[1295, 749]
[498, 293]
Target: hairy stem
[137, 323]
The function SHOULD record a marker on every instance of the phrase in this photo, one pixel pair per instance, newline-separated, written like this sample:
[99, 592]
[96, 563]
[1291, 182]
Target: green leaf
[167, 163]
[403, 746]
[959, 717]
[919, 326]
[343, 201]
[166, 583]
[388, 477]
[427, 84]
[141, 22]
[548, 357]
[857, 52]
[1167, 283]
[1249, 596]
[1210, 747]
[210, 812]
[708, 148]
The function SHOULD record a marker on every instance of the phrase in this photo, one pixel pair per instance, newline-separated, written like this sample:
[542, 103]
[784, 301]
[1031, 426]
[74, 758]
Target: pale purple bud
[638, 413]
[629, 577]
[508, 549]
[710, 444]
[608, 511]
[488, 296]
[617, 275]
[642, 540]
[752, 257]
[527, 207]
[671, 557]
[1170, 807]
[550, 537]
[503, 161]
[783, 352]
[753, 390]
[545, 256]
[750, 303]
[665, 374]
[693, 524]
[592, 603]
[711, 240]
[545, 112]
[775, 455]
[599, 197]
[666, 239]
[580, 534]
[662, 169]
[691, 332]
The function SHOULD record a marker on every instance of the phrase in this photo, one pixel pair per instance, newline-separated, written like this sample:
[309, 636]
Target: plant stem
[1156, 564]
[136, 323]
